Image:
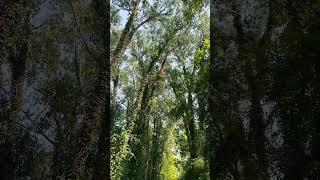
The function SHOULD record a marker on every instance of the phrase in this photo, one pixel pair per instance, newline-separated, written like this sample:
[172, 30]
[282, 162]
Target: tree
[245, 62]
[10, 17]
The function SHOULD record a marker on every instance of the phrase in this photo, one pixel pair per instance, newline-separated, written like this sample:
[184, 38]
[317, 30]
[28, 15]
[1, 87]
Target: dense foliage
[157, 89]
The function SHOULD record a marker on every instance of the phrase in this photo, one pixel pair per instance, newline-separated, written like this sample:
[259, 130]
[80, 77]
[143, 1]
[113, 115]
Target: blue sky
[123, 14]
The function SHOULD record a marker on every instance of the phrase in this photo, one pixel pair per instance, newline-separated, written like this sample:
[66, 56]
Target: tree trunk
[125, 37]
[194, 153]
[211, 123]
[142, 151]
[18, 64]
[102, 163]
[255, 75]
[131, 116]
[154, 161]
[58, 155]
[133, 110]
[97, 100]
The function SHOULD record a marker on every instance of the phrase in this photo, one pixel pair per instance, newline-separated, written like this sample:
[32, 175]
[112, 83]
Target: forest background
[167, 89]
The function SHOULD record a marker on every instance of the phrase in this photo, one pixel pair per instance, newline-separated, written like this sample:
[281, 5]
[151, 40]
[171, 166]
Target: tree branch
[78, 29]
[38, 129]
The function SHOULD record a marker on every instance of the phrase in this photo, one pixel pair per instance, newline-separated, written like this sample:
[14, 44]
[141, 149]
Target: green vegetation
[159, 83]
[158, 90]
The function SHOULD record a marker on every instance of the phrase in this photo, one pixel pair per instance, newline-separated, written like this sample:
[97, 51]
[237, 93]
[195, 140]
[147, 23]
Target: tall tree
[18, 58]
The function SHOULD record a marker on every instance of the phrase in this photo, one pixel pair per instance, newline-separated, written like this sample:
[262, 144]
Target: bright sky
[123, 14]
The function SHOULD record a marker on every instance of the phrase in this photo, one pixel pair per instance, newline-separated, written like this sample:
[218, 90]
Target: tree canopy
[159, 89]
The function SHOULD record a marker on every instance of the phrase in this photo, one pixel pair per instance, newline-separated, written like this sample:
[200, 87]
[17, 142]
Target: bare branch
[78, 29]
[38, 27]
[150, 19]
[38, 129]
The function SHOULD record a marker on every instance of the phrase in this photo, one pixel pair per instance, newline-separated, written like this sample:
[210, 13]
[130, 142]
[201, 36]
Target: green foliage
[196, 169]
[169, 169]
[63, 63]
[192, 8]
[261, 121]
[201, 62]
